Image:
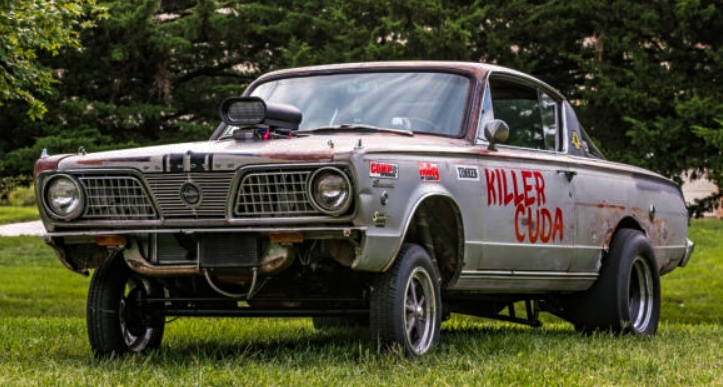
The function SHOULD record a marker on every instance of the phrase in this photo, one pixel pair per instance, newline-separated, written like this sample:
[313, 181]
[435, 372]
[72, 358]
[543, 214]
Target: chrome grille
[116, 198]
[274, 193]
[214, 192]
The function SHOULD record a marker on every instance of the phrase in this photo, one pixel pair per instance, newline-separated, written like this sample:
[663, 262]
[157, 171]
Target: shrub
[22, 196]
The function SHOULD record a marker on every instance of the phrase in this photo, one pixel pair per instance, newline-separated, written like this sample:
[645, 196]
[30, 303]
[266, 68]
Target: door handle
[568, 174]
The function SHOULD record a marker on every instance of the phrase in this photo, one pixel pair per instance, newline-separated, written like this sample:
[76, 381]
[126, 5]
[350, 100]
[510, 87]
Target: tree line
[645, 77]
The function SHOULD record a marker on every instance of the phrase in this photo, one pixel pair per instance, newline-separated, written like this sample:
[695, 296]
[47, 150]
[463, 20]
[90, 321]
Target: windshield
[421, 102]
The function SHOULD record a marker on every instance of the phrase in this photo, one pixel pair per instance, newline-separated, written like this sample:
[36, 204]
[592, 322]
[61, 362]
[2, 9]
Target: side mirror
[247, 111]
[496, 131]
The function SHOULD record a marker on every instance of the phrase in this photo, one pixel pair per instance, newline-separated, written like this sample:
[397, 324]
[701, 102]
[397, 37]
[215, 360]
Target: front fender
[387, 224]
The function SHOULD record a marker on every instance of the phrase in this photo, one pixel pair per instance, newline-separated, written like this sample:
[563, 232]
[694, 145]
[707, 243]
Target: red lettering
[428, 172]
[527, 187]
[519, 197]
[533, 222]
[500, 182]
[540, 188]
[381, 169]
[533, 227]
[491, 194]
[545, 225]
[520, 236]
[557, 225]
[508, 196]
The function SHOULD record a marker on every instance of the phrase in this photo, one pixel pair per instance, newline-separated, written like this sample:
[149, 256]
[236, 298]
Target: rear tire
[406, 305]
[626, 296]
[117, 321]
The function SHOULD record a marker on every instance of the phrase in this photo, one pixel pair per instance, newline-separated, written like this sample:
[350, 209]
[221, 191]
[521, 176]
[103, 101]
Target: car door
[528, 215]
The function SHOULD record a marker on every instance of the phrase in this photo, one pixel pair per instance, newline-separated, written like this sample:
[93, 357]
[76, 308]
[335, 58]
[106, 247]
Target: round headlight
[63, 197]
[330, 190]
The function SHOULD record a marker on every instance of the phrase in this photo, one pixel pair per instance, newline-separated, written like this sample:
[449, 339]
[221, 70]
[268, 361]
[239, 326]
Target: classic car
[381, 195]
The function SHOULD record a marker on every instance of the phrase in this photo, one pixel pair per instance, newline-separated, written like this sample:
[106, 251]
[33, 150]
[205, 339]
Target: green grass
[44, 342]
[15, 214]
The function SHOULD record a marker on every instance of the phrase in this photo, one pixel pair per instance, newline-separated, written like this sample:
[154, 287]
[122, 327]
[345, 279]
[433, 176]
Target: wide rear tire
[626, 296]
[117, 320]
[406, 305]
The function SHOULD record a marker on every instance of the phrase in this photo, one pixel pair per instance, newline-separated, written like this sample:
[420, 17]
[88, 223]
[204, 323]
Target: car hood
[229, 155]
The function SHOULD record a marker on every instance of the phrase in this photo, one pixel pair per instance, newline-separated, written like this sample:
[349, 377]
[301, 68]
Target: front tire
[118, 322]
[626, 296]
[406, 306]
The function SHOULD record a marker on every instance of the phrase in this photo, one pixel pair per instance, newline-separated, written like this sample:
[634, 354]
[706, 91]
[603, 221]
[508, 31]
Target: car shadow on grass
[348, 345]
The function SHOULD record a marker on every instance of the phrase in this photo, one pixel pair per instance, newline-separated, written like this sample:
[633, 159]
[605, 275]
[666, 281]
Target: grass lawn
[15, 214]
[44, 342]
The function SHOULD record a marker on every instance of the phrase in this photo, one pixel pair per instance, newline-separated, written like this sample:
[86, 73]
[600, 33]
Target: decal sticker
[384, 170]
[525, 191]
[429, 172]
[173, 163]
[576, 140]
[188, 162]
[380, 219]
[465, 172]
[200, 162]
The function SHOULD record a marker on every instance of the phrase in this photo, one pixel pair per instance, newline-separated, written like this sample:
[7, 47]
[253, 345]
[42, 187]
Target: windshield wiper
[407, 132]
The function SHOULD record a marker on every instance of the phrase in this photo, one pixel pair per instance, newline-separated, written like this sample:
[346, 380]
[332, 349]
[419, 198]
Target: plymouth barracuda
[381, 195]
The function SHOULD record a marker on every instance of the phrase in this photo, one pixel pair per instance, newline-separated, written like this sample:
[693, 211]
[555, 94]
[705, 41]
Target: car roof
[478, 69]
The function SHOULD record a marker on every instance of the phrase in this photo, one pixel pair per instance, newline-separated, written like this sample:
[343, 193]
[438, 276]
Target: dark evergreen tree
[645, 78]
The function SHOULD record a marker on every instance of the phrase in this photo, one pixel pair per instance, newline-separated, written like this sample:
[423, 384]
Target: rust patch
[605, 206]
[47, 164]
[608, 238]
[301, 156]
[115, 160]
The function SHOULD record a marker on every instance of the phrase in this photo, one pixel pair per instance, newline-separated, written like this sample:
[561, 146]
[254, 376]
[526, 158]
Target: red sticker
[384, 170]
[428, 172]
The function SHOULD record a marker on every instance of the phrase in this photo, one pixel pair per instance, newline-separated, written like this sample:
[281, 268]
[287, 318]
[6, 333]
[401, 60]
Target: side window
[548, 118]
[531, 114]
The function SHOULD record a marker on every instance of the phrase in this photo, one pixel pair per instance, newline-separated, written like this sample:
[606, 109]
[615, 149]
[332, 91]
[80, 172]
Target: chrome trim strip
[689, 247]
[504, 244]
[526, 273]
[501, 281]
[342, 230]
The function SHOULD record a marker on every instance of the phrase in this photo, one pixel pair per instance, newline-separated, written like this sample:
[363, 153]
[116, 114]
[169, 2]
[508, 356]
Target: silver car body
[531, 220]
[384, 194]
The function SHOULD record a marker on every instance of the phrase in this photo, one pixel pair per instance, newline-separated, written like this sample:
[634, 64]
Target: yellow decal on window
[576, 140]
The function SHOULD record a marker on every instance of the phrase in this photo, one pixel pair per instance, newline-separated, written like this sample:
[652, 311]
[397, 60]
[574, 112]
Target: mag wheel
[626, 296]
[118, 320]
[406, 304]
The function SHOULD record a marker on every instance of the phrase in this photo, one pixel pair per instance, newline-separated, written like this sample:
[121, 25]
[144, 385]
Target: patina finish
[478, 177]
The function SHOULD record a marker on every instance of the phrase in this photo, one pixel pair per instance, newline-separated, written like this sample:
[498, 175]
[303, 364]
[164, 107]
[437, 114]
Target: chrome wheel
[641, 294]
[420, 309]
[626, 296]
[405, 305]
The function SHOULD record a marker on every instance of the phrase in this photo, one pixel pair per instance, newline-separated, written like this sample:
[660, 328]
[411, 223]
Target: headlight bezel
[55, 211]
[343, 204]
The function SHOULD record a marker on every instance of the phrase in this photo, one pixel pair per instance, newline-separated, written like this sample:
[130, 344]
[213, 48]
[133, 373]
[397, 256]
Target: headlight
[63, 197]
[330, 191]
